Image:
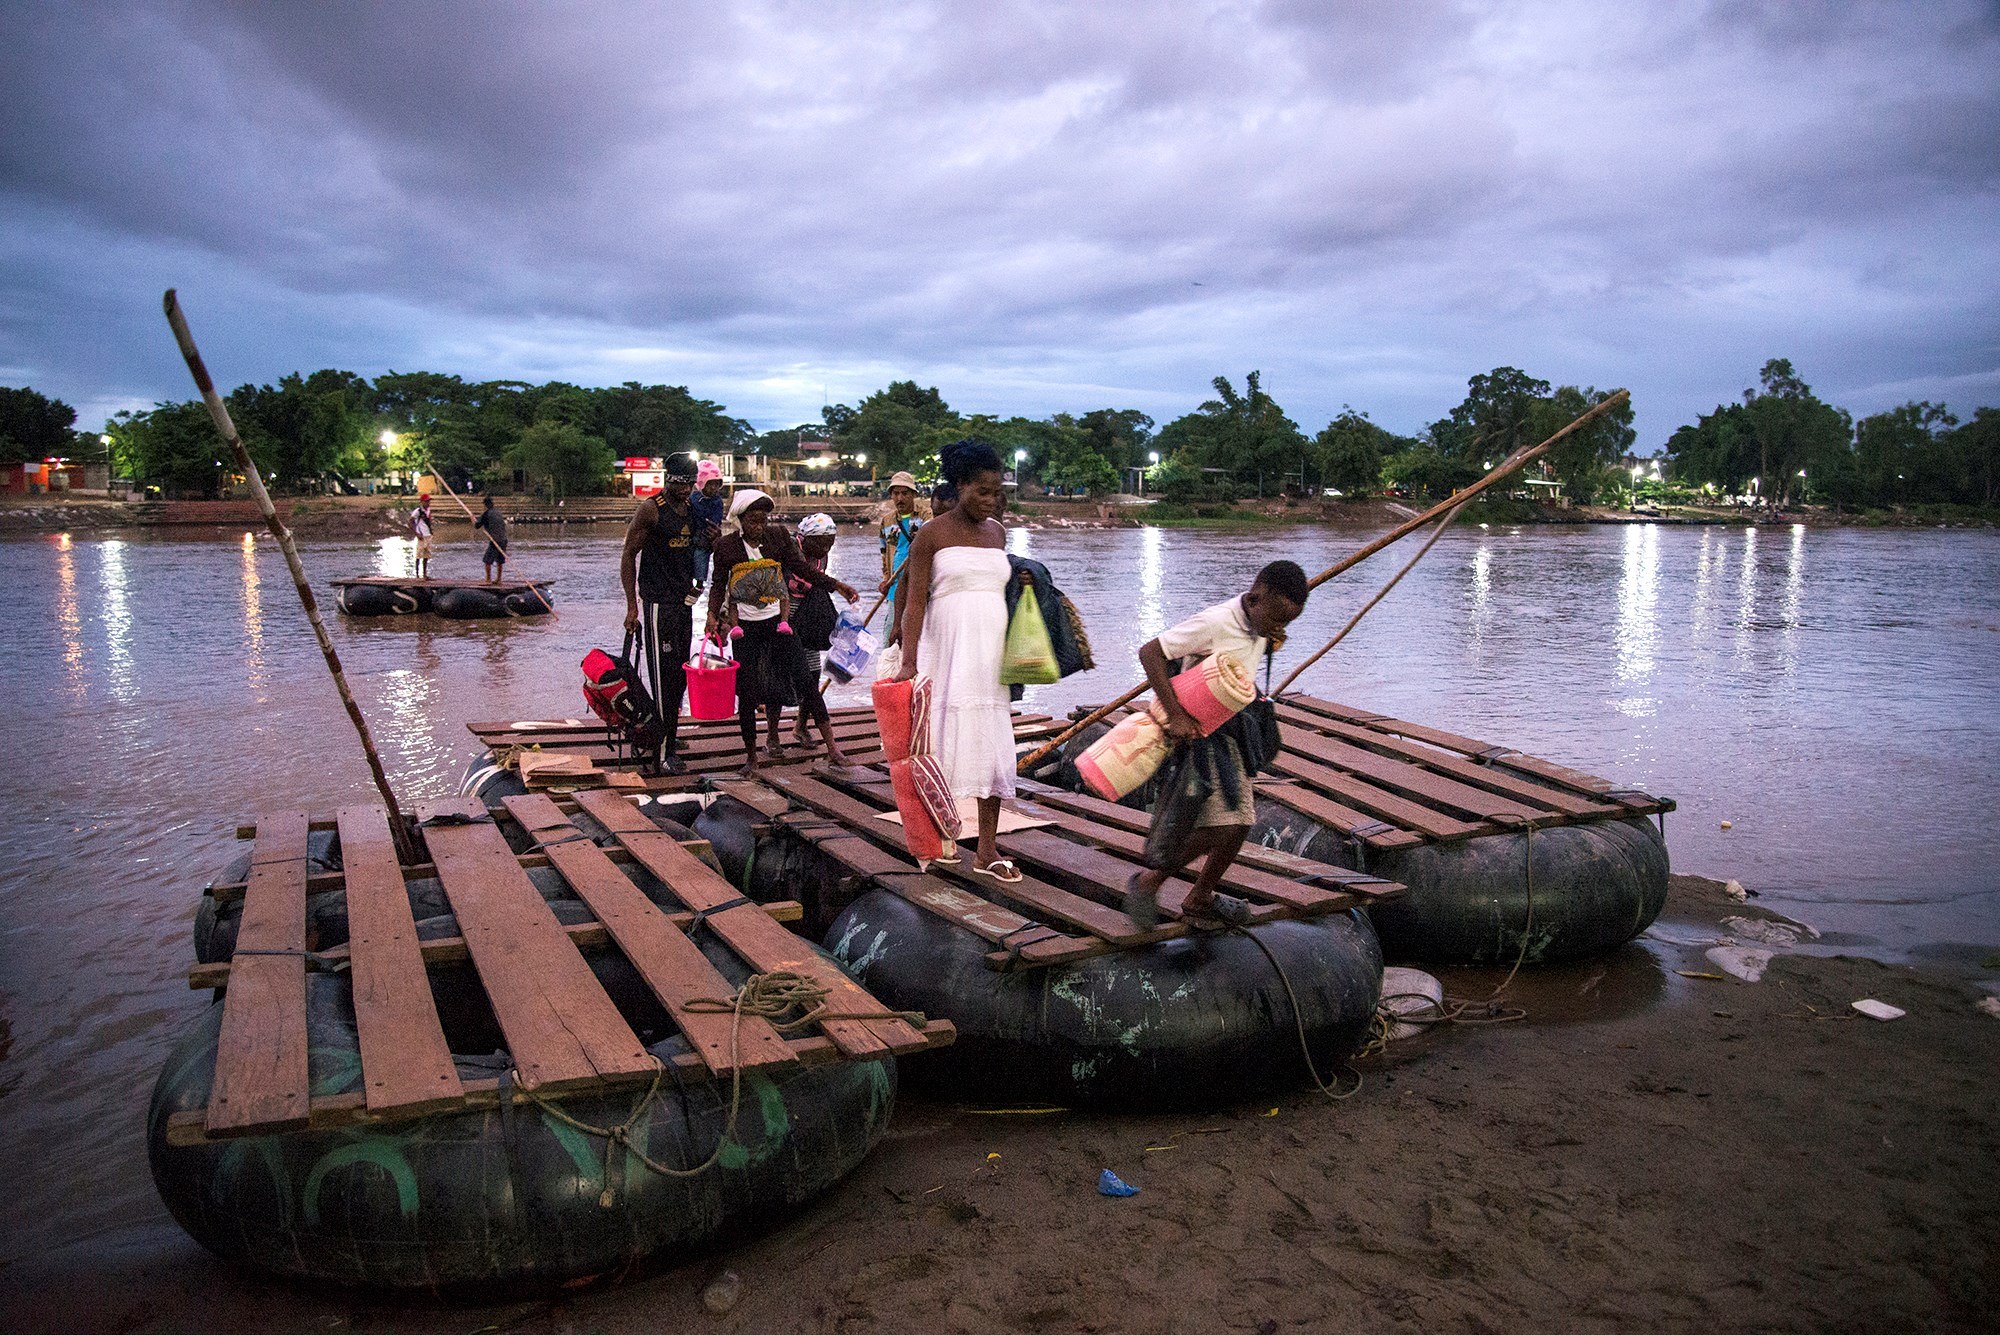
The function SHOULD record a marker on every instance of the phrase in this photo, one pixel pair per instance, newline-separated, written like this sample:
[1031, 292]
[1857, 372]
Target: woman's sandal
[1012, 877]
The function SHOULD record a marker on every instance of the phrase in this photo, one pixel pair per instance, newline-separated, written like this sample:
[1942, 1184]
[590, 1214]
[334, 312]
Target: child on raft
[710, 505]
[1244, 628]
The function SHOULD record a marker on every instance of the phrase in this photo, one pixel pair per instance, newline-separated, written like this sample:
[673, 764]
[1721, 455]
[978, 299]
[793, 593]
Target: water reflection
[1746, 595]
[1020, 542]
[253, 616]
[69, 619]
[1152, 575]
[396, 557]
[1482, 592]
[1638, 605]
[118, 622]
[1795, 588]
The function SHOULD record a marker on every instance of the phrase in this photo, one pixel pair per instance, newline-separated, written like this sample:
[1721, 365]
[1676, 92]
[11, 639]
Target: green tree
[300, 429]
[33, 426]
[1582, 460]
[901, 426]
[1792, 429]
[1428, 471]
[1245, 434]
[1349, 450]
[1975, 449]
[1903, 455]
[1497, 417]
[562, 455]
[173, 447]
[1121, 435]
[1074, 465]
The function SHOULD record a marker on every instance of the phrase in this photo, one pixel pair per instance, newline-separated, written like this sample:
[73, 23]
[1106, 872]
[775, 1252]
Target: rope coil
[765, 996]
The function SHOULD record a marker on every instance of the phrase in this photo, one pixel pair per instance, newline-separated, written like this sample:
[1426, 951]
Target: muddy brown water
[1832, 694]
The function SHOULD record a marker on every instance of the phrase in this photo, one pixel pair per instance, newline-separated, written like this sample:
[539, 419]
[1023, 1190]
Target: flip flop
[1141, 906]
[989, 872]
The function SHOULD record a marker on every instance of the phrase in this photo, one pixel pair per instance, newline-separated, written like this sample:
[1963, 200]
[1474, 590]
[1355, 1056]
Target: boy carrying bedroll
[1205, 803]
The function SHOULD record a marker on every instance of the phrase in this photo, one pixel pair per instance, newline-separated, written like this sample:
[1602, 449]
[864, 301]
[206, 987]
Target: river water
[1831, 694]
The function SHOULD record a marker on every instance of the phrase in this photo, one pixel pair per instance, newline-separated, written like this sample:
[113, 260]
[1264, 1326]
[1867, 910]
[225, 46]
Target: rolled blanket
[1214, 690]
[903, 712]
[930, 817]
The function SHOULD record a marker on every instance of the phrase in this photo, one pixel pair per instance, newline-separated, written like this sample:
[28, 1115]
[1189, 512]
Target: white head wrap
[816, 526]
[740, 502]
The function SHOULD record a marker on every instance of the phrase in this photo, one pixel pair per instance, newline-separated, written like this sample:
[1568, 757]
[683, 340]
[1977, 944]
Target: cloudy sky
[1035, 207]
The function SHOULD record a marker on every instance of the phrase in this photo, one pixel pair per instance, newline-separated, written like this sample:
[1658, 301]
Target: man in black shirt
[657, 570]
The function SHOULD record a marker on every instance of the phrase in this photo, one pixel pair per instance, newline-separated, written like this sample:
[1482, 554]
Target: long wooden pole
[532, 586]
[1512, 464]
[219, 412]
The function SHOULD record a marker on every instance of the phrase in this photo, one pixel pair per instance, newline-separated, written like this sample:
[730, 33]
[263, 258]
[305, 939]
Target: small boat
[528, 1091]
[469, 600]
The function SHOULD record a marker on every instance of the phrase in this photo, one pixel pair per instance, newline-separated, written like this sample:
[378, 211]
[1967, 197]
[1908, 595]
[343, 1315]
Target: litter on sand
[1110, 1184]
[1990, 1006]
[1739, 962]
[1878, 1010]
[1691, 973]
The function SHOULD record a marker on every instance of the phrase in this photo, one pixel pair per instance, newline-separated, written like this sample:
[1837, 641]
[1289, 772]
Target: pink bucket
[711, 685]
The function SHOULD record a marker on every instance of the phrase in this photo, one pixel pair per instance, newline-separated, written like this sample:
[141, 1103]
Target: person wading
[1244, 628]
[954, 630]
[657, 569]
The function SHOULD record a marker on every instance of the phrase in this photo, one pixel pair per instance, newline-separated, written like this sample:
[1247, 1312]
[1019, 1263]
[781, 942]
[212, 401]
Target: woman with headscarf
[753, 560]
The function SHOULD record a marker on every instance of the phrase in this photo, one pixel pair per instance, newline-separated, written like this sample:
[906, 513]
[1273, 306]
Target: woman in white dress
[954, 630]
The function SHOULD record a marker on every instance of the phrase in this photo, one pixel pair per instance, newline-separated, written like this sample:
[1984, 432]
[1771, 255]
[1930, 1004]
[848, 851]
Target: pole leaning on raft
[1439, 512]
[219, 412]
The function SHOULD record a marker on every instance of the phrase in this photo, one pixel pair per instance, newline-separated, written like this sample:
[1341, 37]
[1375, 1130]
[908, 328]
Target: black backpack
[616, 693]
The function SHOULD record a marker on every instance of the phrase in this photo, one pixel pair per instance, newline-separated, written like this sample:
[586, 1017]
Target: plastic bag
[851, 649]
[1030, 657]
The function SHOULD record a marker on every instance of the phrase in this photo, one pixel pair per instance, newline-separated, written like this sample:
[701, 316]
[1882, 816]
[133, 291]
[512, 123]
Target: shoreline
[375, 517]
[1656, 1145]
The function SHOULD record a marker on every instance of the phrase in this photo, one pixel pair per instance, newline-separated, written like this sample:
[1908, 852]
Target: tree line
[309, 431]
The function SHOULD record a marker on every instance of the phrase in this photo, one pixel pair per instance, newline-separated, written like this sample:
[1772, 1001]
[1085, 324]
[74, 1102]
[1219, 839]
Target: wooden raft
[500, 588]
[1390, 784]
[1067, 905]
[709, 746]
[563, 1031]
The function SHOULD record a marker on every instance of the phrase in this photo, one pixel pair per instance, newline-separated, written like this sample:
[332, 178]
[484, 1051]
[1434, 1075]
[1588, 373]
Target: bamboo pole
[532, 586]
[1513, 463]
[219, 412]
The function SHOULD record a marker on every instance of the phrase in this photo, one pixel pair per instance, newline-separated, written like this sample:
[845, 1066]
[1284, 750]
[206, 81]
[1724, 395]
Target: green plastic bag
[1030, 660]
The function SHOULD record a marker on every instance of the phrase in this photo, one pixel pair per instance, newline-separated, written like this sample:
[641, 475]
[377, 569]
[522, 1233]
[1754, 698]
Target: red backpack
[616, 693]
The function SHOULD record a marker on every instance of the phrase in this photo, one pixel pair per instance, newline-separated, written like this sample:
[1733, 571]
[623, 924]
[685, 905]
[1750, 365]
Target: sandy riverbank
[1647, 1150]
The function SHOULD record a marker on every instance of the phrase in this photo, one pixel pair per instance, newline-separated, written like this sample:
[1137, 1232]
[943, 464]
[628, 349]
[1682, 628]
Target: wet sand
[1646, 1150]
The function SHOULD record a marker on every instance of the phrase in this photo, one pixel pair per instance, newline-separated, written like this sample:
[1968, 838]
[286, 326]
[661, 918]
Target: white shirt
[1221, 629]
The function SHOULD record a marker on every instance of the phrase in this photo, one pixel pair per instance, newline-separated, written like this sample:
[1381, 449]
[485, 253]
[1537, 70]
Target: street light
[388, 439]
[104, 441]
[1152, 456]
[861, 459]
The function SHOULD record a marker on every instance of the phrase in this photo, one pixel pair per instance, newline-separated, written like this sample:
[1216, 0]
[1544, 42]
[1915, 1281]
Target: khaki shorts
[423, 549]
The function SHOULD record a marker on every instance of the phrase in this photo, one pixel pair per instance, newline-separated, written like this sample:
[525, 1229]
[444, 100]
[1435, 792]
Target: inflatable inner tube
[469, 605]
[1201, 1021]
[487, 1203]
[1594, 887]
[377, 600]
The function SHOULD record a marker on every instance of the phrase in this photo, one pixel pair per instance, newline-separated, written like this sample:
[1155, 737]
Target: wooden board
[1377, 802]
[1460, 800]
[673, 966]
[1542, 795]
[261, 1081]
[763, 944]
[1372, 831]
[405, 1060]
[561, 1028]
[1051, 904]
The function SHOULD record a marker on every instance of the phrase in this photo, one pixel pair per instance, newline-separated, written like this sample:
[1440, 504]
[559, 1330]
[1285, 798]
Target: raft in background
[340, 1114]
[1455, 819]
[457, 600]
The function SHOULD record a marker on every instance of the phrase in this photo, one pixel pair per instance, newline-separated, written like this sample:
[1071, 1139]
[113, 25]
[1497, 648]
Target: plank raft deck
[1068, 904]
[1388, 784]
[712, 747]
[563, 1032]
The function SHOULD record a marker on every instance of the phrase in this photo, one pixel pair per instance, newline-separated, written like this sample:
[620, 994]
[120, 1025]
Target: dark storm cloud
[1036, 208]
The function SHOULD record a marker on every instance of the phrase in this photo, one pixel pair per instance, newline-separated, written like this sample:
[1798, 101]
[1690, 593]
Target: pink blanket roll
[1214, 690]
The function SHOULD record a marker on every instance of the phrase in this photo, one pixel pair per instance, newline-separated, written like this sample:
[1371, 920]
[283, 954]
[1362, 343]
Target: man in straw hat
[657, 569]
[899, 520]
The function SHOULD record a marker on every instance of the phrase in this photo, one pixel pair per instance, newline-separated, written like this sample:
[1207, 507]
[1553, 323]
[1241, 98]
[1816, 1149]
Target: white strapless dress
[965, 633]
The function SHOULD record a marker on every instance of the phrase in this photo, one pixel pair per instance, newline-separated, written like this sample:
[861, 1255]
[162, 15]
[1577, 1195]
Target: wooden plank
[336, 1112]
[261, 1082]
[561, 1028]
[761, 799]
[1412, 781]
[1575, 780]
[451, 949]
[1050, 903]
[1273, 860]
[673, 966]
[405, 1061]
[1373, 832]
[1377, 802]
[1481, 776]
[333, 880]
[763, 944]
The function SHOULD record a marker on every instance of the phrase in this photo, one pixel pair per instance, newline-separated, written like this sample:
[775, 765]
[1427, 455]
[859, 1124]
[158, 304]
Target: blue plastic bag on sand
[1110, 1184]
[853, 648]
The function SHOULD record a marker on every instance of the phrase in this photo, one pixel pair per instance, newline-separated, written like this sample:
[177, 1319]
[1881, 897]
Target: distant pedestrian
[494, 525]
[420, 529]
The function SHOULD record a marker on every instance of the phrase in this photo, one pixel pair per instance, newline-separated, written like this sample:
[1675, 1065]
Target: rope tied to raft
[766, 996]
